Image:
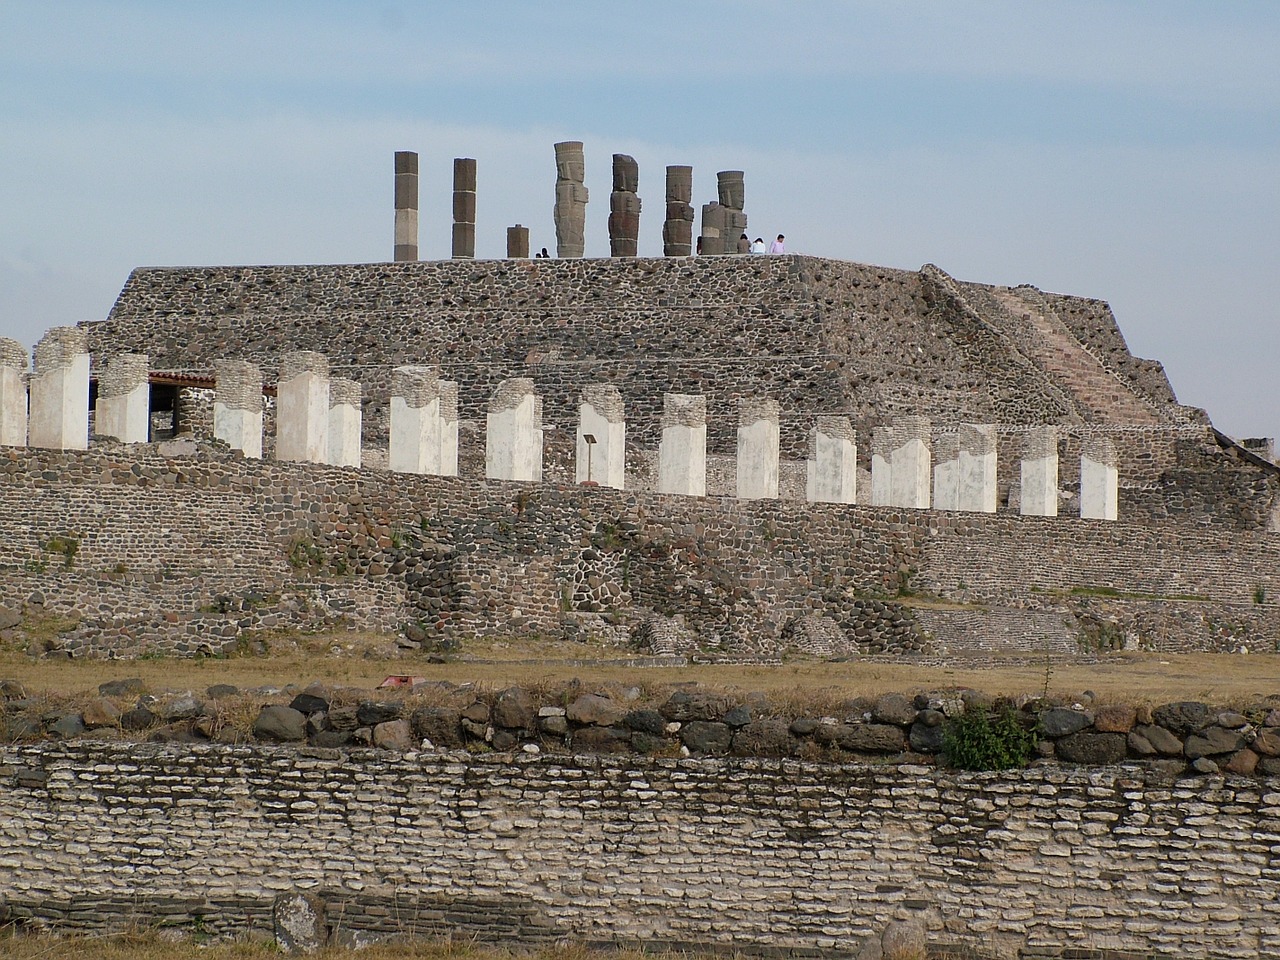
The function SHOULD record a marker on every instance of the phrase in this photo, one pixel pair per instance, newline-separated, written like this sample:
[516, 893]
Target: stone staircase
[1099, 394]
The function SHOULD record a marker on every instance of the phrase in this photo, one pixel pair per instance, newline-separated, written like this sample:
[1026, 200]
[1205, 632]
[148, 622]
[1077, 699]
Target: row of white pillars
[319, 421]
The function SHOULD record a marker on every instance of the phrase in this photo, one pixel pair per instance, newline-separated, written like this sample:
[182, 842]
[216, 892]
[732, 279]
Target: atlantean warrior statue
[624, 207]
[723, 223]
[677, 229]
[571, 199]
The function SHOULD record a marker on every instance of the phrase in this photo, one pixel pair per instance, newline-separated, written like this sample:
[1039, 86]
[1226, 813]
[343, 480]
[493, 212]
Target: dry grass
[337, 660]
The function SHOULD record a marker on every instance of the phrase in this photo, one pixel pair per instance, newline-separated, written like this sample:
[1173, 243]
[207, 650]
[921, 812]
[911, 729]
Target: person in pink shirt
[777, 245]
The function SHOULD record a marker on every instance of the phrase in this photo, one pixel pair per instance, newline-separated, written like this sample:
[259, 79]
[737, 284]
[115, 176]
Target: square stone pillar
[909, 464]
[977, 463]
[302, 407]
[237, 406]
[345, 421]
[406, 240]
[883, 440]
[831, 473]
[946, 472]
[424, 422]
[682, 452]
[464, 208]
[124, 399]
[1040, 472]
[60, 391]
[601, 416]
[1099, 480]
[13, 393]
[513, 438]
[758, 447]
[518, 242]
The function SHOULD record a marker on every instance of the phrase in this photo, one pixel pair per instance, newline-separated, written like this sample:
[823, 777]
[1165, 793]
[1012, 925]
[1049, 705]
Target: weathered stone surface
[593, 709]
[393, 735]
[276, 722]
[925, 738]
[1149, 739]
[1114, 718]
[100, 713]
[1267, 742]
[602, 739]
[1183, 717]
[764, 737]
[1092, 748]
[186, 706]
[1243, 763]
[309, 703]
[12, 690]
[685, 705]
[904, 940]
[894, 708]
[219, 691]
[1213, 741]
[1062, 721]
[515, 709]
[871, 738]
[139, 718]
[121, 688]
[66, 726]
[371, 714]
[477, 712]
[645, 721]
[299, 922]
[706, 737]
[9, 618]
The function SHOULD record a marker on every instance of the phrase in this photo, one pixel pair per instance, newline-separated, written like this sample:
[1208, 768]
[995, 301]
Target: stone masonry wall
[456, 556]
[741, 853]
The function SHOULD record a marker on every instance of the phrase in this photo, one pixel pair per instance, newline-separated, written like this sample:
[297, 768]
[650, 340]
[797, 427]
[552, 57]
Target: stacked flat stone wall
[1118, 861]
[465, 557]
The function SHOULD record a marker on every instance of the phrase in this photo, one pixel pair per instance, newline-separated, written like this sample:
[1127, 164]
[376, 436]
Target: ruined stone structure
[624, 207]
[677, 229]
[406, 225]
[518, 242]
[464, 208]
[570, 210]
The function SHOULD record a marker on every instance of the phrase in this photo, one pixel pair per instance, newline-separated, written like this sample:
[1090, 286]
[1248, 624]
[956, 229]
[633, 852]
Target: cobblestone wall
[741, 853]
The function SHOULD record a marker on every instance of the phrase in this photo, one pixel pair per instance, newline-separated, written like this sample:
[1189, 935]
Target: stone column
[883, 440]
[345, 421]
[624, 207]
[60, 391]
[406, 205]
[732, 194]
[977, 468]
[1040, 472]
[682, 452]
[513, 438]
[424, 422]
[124, 399]
[832, 470]
[677, 229]
[237, 406]
[464, 209]
[302, 407]
[758, 436]
[13, 393]
[1099, 480]
[713, 229]
[571, 199]
[601, 415]
[946, 472]
[910, 463]
[518, 242]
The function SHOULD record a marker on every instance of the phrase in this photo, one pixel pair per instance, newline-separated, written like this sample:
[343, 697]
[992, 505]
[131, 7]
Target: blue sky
[1126, 151]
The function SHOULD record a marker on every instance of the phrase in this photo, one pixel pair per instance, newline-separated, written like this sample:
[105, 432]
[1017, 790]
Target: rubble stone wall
[749, 853]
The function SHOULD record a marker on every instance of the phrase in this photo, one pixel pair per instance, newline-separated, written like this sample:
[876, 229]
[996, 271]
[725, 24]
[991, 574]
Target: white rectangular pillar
[682, 452]
[13, 393]
[883, 440]
[345, 422]
[1040, 472]
[302, 407]
[237, 406]
[124, 399]
[1099, 480]
[910, 465]
[758, 447]
[601, 417]
[831, 473]
[60, 391]
[977, 466]
[946, 472]
[513, 438]
[424, 422]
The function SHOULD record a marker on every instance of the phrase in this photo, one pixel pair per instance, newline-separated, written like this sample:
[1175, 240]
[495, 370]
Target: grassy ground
[339, 659]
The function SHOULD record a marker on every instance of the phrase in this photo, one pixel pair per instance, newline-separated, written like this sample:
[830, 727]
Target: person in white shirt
[777, 245]
[757, 246]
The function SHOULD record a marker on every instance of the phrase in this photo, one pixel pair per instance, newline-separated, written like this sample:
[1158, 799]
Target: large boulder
[100, 713]
[766, 737]
[1184, 717]
[1114, 718]
[121, 688]
[872, 738]
[593, 710]
[1213, 741]
[440, 725]
[894, 708]
[646, 721]
[370, 714]
[925, 738]
[904, 940]
[299, 921]
[602, 739]
[686, 705]
[515, 709]
[281, 723]
[1091, 747]
[1062, 722]
[706, 737]
[1149, 740]
[393, 735]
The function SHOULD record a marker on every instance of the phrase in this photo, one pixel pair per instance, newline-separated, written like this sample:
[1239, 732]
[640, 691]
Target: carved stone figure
[677, 229]
[624, 207]
[571, 199]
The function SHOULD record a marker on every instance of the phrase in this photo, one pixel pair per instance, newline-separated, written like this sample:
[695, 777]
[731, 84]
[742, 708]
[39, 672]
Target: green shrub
[987, 740]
